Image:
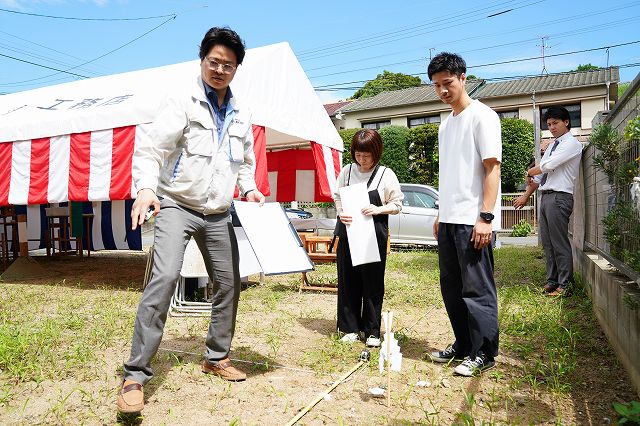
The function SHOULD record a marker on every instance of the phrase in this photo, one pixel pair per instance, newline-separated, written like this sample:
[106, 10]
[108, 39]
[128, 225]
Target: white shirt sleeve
[488, 136]
[565, 151]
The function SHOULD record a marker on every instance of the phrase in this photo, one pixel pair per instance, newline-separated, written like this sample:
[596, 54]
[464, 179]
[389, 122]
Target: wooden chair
[320, 249]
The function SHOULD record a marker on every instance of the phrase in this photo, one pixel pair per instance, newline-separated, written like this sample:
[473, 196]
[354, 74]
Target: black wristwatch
[486, 216]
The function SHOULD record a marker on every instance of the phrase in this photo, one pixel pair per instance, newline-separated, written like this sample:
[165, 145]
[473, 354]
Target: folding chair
[192, 267]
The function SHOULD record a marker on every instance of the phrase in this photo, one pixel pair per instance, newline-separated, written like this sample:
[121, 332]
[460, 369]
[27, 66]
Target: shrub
[395, 154]
[422, 145]
[522, 229]
[347, 135]
[517, 151]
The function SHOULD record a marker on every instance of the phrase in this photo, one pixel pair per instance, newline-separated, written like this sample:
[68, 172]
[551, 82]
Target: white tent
[74, 141]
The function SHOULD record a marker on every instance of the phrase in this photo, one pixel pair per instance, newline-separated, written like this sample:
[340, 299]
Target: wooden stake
[388, 360]
[321, 396]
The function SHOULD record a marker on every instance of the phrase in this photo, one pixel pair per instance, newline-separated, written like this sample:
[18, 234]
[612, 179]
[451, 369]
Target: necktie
[544, 175]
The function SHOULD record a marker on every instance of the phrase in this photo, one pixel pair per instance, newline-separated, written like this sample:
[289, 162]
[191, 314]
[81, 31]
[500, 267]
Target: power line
[327, 88]
[505, 62]
[86, 19]
[86, 62]
[43, 66]
[562, 20]
[439, 23]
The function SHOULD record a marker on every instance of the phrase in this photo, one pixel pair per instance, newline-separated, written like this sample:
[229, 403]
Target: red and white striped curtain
[96, 166]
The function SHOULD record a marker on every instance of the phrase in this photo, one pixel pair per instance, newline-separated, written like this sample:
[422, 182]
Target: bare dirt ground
[284, 340]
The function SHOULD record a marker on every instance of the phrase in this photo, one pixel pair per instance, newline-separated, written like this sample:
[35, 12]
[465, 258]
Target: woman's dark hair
[446, 61]
[224, 36]
[367, 140]
[559, 113]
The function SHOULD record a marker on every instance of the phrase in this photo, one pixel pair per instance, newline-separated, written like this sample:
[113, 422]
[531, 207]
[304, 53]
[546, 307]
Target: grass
[54, 331]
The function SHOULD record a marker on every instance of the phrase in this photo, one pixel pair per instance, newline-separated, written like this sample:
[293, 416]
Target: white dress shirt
[561, 165]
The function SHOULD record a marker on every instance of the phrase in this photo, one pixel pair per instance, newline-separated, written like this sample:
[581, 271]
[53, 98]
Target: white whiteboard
[273, 239]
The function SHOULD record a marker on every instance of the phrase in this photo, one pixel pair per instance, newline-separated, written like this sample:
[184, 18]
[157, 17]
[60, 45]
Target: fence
[601, 197]
[511, 216]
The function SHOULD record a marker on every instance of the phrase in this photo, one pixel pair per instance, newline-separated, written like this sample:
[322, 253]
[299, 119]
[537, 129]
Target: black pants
[360, 292]
[468, 290]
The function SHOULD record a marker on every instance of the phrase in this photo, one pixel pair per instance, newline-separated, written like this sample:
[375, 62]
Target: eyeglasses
[213, 65]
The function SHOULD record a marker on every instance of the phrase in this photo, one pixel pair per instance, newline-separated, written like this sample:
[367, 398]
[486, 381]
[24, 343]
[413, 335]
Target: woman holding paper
[361, 287]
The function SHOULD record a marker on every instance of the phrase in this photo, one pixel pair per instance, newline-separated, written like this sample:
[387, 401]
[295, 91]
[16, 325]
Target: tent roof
[270, 81]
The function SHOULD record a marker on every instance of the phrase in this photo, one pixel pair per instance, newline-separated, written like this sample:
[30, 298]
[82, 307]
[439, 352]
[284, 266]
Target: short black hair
[367, 140]
[446, 61]
[226, 37]
[559, 113]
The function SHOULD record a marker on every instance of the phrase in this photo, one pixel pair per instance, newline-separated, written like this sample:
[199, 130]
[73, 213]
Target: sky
[340, 44]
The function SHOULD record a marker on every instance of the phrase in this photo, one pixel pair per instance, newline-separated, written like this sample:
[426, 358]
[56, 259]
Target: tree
[395, 154]
[385, 82]
[517, 151]
[422, 144]
[347, 136]
[586, 67]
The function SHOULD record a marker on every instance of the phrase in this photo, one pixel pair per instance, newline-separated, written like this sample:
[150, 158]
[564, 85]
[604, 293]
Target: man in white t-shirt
[555, 176]
[470, 153]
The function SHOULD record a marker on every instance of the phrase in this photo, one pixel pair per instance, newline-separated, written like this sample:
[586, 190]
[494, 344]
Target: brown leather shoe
[549, 287]
[558, 292]
[224, 369]
[130, 397]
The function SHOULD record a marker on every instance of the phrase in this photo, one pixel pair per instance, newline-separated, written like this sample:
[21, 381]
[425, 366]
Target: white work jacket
[179, 156]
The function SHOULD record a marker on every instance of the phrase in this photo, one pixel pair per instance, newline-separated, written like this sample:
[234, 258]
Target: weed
[628, 413]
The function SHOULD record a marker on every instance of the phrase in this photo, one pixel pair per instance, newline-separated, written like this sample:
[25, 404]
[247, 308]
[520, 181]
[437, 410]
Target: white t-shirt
[464, 141]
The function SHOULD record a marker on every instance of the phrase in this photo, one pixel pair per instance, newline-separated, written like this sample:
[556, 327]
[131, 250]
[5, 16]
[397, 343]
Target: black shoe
[470, 367]
[443, 356]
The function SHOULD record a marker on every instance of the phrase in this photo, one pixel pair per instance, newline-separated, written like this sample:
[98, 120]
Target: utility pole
[537, 156]
[606, 107]
[431, 49]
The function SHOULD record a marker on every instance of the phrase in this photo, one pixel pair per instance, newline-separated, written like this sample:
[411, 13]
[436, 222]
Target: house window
[419, 121]
[574, 114]
[508, 114]
[376, 125]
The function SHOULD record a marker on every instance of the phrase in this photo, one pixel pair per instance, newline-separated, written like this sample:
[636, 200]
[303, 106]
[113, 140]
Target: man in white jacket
[186, 169]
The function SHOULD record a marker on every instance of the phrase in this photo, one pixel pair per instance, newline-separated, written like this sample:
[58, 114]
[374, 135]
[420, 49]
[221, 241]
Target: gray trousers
[174, 227]
[555, 209]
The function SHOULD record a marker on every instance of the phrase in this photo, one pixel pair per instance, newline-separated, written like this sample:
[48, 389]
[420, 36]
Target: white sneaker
[373, 342]
[470, 367]
[349, 338]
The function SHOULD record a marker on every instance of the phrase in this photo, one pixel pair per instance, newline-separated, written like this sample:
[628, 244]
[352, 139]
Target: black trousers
[468, 290]
[360, 292]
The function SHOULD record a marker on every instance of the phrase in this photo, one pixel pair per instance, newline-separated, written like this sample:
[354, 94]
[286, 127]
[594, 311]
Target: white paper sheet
[274, 241]
[249, 265]
[363, 244]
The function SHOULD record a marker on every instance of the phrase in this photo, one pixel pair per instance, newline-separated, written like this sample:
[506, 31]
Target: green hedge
[394, 154]
[422, 142]
[413, 153]
[517, 151]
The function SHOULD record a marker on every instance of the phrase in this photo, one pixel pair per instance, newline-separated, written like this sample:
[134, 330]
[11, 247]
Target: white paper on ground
[274, 241]
[363, 244]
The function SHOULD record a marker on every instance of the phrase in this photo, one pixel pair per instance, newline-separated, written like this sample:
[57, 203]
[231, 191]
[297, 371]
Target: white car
[414, 224]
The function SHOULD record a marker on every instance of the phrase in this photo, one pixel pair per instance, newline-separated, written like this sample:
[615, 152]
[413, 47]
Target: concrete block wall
[616, 304]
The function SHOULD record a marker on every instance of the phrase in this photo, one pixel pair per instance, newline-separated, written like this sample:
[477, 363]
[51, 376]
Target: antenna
[431, 49]
[543, 47]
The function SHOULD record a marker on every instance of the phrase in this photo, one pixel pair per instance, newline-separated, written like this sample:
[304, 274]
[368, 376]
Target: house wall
[591, 99]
